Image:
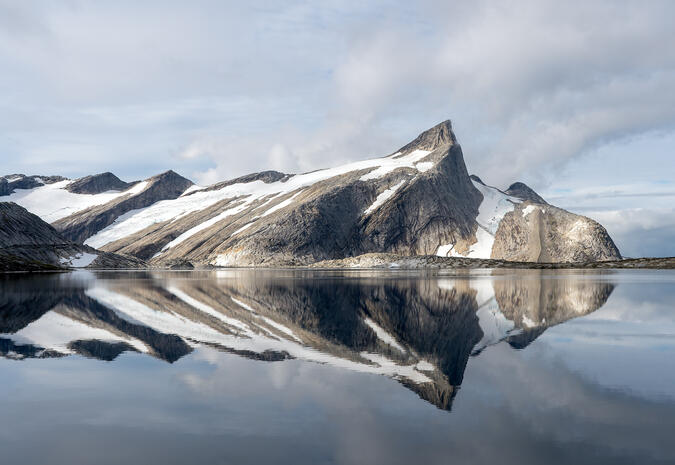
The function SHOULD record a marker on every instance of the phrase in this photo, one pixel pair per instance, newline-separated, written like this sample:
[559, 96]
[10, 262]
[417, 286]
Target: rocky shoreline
[392, 261]
[371, 261]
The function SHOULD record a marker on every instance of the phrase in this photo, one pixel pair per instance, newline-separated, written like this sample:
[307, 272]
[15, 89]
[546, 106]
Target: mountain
[28, 243]
[420, 200]
[420, 332]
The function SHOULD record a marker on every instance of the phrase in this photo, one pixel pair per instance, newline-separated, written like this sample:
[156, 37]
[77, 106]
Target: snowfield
[51, 202]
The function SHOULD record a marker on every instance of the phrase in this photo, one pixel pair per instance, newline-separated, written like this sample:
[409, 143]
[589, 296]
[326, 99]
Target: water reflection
[420, 331]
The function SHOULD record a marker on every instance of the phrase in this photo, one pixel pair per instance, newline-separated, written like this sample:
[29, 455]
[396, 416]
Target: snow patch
[387, 165]
[383, 197]
[528, 323]
[424, 166]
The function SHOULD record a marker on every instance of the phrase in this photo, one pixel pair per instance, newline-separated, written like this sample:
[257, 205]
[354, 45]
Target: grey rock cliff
[98, 183]
[536, 233]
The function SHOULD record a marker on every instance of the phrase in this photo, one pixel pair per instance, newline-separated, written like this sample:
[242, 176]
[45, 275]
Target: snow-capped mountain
[420, 200]
[424, 341]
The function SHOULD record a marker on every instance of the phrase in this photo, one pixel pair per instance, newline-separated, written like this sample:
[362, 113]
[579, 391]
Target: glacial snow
[383, 197]
[51, 202]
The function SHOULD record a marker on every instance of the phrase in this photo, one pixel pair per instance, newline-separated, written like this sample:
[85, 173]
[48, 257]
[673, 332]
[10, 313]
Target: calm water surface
[298, 367]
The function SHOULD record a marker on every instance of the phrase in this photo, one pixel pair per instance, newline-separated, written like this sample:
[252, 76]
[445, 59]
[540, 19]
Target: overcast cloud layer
[575, 98]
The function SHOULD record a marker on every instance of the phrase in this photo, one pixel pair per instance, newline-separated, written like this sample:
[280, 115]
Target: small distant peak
[170, 175]
[431, 139]
[477, 179]
[524, 192]
[97, 183]
[170, 180]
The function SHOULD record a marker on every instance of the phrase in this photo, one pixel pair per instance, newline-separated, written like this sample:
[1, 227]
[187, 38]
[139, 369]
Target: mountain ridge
[419, 200]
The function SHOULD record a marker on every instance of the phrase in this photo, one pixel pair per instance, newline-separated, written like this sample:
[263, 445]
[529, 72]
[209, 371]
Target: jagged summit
[432, 138]
[524, 192]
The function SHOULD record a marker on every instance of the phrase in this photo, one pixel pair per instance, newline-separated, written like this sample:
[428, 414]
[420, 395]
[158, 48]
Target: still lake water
[527, 367]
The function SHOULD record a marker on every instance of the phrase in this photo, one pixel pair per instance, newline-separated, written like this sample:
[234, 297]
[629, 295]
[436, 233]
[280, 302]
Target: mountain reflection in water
[419, 330]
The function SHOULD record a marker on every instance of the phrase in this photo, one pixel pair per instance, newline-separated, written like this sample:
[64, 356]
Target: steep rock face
[537, 233]
[98, 183]
[439, 206]
[84, 224]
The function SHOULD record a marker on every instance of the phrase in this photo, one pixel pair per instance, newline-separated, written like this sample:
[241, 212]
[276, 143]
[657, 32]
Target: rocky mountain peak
[171, 177]
[431, 139]
[97, 183]
[524, 192]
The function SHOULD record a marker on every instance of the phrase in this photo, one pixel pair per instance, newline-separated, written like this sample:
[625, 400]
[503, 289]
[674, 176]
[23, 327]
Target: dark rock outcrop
[29, 244]
[98, 183]
[524, 192]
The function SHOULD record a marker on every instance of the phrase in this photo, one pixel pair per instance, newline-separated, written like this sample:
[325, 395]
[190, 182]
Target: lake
[338, 367]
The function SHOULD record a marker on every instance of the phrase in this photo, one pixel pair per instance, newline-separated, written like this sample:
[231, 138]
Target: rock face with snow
[28, 243]
[419, 200]
[386, 204]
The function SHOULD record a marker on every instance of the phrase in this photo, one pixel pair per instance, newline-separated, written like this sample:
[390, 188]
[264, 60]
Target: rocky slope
[420, 200]
[29, 244]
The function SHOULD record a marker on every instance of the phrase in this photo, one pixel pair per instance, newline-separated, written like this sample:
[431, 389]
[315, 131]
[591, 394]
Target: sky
[576, 99]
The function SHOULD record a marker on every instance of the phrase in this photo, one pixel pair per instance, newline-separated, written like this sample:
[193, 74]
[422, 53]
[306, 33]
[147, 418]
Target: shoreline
[377, 261]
